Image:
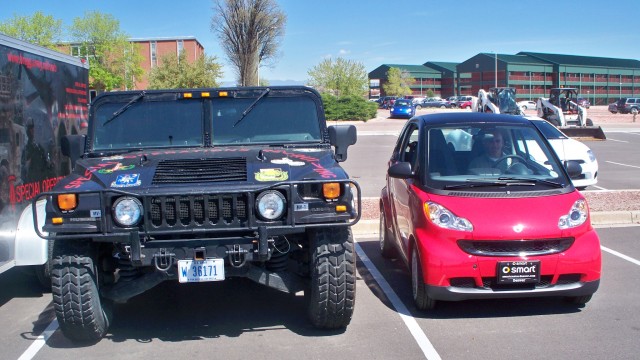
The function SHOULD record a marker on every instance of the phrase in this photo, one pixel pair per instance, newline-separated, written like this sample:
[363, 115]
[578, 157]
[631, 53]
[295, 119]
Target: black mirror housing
[341, 137]
[401, 170]
[73, 147]
[574, 169]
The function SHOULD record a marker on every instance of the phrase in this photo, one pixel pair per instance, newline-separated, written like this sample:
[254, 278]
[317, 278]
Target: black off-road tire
[386, 247]
[74, 284]
[589, 122]
[419, 291]
[332, 294]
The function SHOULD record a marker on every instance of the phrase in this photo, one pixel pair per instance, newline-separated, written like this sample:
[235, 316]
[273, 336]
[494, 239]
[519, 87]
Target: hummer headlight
[127, 211]
[270, 205]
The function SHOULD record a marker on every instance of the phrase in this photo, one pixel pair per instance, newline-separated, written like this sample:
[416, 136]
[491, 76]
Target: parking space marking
[616, 140]
[615, 163]
[620, 255]
[40, 341]
[421, 338]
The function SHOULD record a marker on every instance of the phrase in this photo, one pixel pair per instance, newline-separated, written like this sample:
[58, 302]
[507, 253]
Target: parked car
[452, 101]
[464, 102]
[418, 100]
[387, 101]
[402, 108]
[628, 105]
[613, 108]
[518, 228]
[527, 105]
[433, 102]
[585, 103]
[569, 149]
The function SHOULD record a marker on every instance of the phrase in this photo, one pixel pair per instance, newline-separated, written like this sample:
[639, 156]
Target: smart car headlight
[127, 211]
[444, 218]
[576, 216]
[270, 205]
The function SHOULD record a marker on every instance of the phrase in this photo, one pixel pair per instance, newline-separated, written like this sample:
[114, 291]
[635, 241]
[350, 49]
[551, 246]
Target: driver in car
[493, 145]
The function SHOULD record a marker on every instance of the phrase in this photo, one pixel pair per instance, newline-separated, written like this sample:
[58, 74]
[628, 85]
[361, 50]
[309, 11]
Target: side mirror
[341, 137]
[73, 147]
[401, 170]
[574, 169]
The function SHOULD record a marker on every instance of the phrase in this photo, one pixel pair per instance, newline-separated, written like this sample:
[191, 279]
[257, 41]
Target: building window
[75, 50]
[180, 46]
[154, 58]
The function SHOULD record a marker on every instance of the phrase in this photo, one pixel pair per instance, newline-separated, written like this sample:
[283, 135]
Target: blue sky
[375, 32]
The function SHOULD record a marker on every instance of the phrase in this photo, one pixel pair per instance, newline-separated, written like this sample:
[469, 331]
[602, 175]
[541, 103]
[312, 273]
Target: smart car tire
[420, 297]
[386, 247]
[76, 300]
[333, 281]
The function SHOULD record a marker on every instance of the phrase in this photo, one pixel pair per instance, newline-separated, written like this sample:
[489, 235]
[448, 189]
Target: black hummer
[202, 185]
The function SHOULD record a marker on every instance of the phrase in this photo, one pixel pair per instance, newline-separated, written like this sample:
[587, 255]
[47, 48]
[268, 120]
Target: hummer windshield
[162, 120]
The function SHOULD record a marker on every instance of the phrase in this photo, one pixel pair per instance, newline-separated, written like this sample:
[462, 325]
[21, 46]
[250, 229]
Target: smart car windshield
[162, 122]
[480, 155]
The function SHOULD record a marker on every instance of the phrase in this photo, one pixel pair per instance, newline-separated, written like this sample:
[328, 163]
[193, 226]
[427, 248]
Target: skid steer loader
[562, 110]
[498, 100]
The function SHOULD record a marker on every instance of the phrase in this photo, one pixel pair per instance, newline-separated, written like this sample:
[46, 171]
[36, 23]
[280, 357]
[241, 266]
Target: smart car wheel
[386, 248]
[420, 297]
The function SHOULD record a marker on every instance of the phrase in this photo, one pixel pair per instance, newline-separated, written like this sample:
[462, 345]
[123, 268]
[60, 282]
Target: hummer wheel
[331, 297]
[74, 284]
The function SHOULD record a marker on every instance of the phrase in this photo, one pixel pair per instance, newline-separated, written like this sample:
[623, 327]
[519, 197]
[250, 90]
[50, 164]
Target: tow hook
[237, 256]
[163, 260]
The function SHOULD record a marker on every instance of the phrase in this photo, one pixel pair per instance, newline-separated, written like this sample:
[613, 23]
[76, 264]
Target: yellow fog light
[67, 202]
[341, 208]
[56, 220]
[331, 190]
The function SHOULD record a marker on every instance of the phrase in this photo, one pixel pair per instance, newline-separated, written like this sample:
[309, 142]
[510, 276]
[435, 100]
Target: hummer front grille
[224, 210]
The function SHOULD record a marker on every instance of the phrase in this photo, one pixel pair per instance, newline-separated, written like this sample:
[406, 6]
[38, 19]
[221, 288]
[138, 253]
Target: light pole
[496, 69]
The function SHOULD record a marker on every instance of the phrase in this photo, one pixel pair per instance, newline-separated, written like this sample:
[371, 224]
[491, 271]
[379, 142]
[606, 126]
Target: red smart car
[479, 206]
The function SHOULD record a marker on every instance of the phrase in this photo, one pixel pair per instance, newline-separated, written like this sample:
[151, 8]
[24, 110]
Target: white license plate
[200, 270]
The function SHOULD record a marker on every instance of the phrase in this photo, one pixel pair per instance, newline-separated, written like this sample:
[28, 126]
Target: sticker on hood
[127, 180]
[287, 161]
[271, 175]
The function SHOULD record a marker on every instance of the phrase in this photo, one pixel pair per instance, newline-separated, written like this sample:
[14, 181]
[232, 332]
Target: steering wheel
[513, 168]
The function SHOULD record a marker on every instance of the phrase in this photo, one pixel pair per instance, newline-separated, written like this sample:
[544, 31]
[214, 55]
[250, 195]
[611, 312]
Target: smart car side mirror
[401, 170]
[574, 169]
[341, 136]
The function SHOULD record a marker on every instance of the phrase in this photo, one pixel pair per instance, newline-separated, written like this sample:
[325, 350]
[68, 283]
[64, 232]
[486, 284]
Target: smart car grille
[200, 171]
[503, 195]
[199, 210]
[515, 247]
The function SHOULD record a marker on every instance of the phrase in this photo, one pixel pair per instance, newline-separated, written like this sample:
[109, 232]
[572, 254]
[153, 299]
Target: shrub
[348, 108]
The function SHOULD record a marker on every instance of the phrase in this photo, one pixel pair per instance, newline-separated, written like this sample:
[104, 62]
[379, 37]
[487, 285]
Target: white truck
[44, 95]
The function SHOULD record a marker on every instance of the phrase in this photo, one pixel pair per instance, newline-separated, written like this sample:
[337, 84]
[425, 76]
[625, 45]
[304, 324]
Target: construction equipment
[498, 100]
[562, 110]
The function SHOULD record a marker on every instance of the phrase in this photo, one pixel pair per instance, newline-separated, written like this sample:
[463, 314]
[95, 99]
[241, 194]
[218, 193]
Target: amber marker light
[67, 202]
[331, 190]
[56, 221]
[341, 208]
[223, 94]
[187, 95]
[205, 94]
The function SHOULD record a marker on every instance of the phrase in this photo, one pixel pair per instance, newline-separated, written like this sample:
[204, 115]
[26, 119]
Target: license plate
[518, 272]
[200, 270]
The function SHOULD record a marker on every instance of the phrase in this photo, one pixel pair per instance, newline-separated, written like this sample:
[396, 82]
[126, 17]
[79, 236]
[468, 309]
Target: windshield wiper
[124, 108]
[248, 109]
[503, 181]
[532, 180]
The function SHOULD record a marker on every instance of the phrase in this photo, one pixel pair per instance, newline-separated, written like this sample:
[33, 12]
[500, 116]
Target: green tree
[430, 93]
[175, 72]
[250, 32]
[398, 82]
[39, 29]
[340, 77]
[114, 62]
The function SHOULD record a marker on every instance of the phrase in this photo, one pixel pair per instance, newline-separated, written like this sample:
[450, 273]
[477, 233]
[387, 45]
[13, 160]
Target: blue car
[402, 108]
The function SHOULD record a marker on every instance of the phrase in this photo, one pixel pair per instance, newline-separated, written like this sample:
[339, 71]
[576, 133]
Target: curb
[600, 219]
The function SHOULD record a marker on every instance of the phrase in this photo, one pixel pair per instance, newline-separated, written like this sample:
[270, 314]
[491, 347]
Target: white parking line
[40, 341]
[615, 163]
[616, 140]
[622, 256]
[427, 348]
